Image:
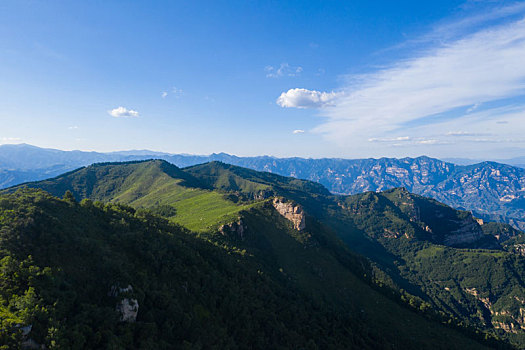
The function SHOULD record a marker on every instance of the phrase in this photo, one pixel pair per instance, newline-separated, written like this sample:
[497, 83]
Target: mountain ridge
[273, 273]
[401, 234]
[500, 197]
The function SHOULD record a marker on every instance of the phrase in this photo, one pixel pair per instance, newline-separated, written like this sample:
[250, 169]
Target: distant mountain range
[492, 191]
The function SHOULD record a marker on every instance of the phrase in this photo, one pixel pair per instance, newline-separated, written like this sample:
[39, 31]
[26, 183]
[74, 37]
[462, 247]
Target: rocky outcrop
[469, 231]
[508, 321]
[27, 342]
[128, 308]
[235, 229]
[486, 301]
[292, 212]
[519, 249]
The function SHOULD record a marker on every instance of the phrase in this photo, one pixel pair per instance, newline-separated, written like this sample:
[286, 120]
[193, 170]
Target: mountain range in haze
[492, 191]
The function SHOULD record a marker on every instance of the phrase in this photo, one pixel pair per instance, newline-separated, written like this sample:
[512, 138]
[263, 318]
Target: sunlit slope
[147, 184]
[222, 176]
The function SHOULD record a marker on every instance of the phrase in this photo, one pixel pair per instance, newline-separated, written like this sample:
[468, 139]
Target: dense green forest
[61, 259]
[207, 243]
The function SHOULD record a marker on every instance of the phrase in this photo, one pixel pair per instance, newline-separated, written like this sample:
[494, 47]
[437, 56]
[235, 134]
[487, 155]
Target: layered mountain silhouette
[492, 191]
[395, 263]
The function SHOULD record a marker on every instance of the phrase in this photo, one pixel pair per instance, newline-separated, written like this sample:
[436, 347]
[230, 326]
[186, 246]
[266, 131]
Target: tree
[68, 196]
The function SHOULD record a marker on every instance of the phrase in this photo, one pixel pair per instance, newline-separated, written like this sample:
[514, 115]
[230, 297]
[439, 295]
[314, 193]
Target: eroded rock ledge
[237, 228]
[128, 308]
[292, 212]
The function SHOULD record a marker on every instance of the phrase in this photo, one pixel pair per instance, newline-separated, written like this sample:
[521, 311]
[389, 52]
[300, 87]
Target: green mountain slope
[70, 272]
[479, 287]
[146, 184]
[403, 236]
[420, 247]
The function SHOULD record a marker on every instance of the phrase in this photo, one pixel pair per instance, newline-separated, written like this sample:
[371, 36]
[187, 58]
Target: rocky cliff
[127, 306]
[292, 212]
[236, 229]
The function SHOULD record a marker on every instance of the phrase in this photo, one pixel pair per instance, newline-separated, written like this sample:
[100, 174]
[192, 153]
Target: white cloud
[465, 133]
[284, 70]
[454, 85]
[298, 131]
[174, 91]
[428, 142]
[6, 140]
[123, 112]
[177, 92]
[483, 67]
[473, 108]
[390, 139]
[73, 127]
[303, 98]
[408, 141]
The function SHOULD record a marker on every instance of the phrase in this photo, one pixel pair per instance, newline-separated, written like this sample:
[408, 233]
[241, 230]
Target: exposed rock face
[519, 249]
[237, 229]
[127, 307]
[27, 342]
[510, 322]
[507, 320]
[292, 212]
[469, 232]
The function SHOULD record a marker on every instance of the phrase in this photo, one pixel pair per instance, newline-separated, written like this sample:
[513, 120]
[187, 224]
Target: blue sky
[283, 78]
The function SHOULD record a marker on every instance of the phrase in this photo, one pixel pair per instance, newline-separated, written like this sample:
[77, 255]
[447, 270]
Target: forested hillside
[401, 236]
[94, 275]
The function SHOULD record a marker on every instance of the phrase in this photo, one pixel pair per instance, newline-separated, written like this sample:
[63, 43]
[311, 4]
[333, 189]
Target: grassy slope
[147, 184]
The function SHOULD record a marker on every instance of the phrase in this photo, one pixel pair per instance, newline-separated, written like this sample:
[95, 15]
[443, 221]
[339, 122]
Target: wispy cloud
[4, 140]
[123, 112]
[390, 139]
[465, 134]
[437, 86]
[407, 141]
[303, 98]
[473, 108]
[298, 131]
[483, 67]
[73, 127]
[175, 91]
[283, 70]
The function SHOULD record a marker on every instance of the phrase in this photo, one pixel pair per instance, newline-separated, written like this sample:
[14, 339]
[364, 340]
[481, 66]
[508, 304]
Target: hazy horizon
[456, 160]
